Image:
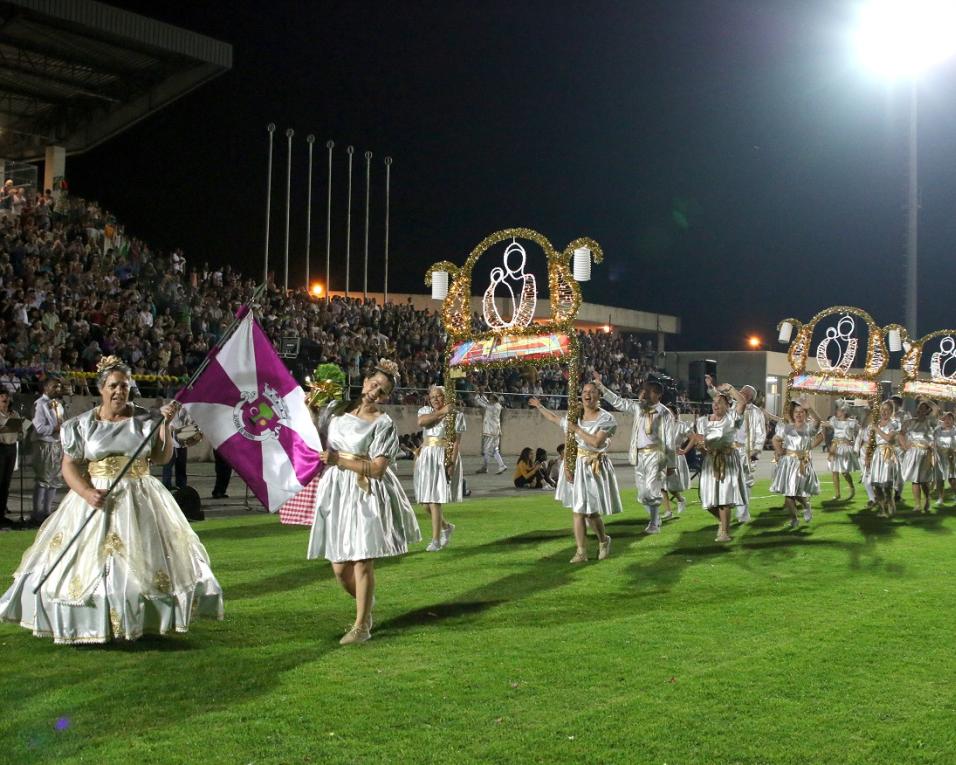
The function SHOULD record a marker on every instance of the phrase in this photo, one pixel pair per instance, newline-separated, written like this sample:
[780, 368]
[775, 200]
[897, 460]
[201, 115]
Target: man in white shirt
[490, 431]
[648, 449]
[48, 416]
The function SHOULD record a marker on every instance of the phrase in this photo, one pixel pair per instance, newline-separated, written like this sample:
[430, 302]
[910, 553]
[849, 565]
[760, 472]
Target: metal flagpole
[149, 437]
[368, 183]
[288, 197]
[328, 229]
[271, 127]
[388, 179]
[348, 224]
[310, 139]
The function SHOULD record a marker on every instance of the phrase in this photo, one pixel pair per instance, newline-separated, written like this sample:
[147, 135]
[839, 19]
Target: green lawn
[831, 644]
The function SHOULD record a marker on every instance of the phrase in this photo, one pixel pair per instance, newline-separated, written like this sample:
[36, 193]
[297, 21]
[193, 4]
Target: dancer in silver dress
[884, 467]
[722, 482]
[842, 458]
[136, 567]
[919, 456]
[795, 477]
[677, 478]
[437, 484]
[361, 511]
[751, 437]
[594, 492]
[944, 439]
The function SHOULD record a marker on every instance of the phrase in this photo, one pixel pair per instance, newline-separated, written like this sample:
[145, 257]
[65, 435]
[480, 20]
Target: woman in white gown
[722, 482]
[919, 456]
[841, 458]
[361, 511]
[944, 439]
[677, 477]
[435, 483]
[884, 467]
[796, 438]
[137, 567]
[594, 492]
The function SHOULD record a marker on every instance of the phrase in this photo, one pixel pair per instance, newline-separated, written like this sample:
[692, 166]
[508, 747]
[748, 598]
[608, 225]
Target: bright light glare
[607, 329]
[902, 38]
[317, 290]
[753, 341]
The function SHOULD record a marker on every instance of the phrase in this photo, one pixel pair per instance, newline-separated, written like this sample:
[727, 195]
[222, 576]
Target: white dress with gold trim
[137, 567]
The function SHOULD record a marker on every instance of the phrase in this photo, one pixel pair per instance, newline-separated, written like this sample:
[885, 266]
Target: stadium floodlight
[903, 38]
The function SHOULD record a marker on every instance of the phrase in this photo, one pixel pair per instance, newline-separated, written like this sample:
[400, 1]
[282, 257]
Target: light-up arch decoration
[835, 355]
[517, 341]
[941, 381]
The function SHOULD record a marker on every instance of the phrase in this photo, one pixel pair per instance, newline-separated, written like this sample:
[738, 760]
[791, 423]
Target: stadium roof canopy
[74, 73]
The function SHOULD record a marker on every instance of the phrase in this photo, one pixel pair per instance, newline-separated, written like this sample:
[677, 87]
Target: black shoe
[220, 496]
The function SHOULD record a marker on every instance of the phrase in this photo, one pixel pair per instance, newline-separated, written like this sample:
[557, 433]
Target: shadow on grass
[261, 530]
[291, 579]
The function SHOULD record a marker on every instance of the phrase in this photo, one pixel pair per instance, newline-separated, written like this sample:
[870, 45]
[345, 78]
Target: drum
[188, 435]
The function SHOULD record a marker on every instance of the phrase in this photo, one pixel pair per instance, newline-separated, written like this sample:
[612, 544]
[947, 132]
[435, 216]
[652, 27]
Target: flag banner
[253, 412]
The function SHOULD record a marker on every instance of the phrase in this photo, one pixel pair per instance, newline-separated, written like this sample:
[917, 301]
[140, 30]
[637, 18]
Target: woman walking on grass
[722, 483]
[919, 456]
[361, 511]
[884, 466]
[594, 492]
[944, 439]
[841, 457]
[795, 478]
[437, 484]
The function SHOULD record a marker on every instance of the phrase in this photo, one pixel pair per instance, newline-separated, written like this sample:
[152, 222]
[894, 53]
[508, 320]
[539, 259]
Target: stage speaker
[696, 384]
[188, 500]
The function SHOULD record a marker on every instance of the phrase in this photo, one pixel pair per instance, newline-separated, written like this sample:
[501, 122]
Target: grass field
[831, 644]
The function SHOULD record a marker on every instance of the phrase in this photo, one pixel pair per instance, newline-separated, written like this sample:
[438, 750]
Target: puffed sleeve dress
[358, 518]
[137, 567]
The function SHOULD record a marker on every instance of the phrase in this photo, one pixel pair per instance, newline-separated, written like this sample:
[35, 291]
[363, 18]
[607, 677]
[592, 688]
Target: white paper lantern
[786, 330]
[895, 341]
[439, 285]
[582, 264]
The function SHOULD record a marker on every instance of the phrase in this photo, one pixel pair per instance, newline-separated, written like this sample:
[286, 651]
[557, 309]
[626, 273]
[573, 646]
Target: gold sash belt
[720, 461]
[110, 467]
[804, 458]
[436, 441]
[593, 460]
[929, 448]
[652, 448]
[362, 480]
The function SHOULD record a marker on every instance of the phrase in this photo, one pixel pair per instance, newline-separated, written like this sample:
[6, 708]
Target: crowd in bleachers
[74, 286]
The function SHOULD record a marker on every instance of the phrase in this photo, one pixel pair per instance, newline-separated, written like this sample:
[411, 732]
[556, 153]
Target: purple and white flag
[253, 412]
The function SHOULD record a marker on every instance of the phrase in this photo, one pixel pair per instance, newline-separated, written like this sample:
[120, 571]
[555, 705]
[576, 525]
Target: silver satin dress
[722, 478]
[884, 465]
[136, 568]
[429, 478]
[595, 490]
[355, 521]
[919, 460]
[945, 441]
[795, 476]
[842, 457]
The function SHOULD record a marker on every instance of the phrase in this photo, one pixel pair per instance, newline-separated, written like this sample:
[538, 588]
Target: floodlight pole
[310, 139]
[271, 128]
[912, 219]
[328, 228]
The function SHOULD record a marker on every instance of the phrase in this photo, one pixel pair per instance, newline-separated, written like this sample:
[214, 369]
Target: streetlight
[900, 40]
[753, 341]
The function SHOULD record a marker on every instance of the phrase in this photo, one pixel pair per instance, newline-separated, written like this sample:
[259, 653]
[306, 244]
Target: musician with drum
[185, 433]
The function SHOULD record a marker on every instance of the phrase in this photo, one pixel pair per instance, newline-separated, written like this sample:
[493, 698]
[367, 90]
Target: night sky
[732, 158]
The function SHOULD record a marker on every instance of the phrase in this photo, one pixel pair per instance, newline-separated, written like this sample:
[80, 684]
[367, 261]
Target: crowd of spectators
[74, 286]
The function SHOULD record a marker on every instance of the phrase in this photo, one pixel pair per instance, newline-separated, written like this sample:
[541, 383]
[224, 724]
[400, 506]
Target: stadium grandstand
[74, 284]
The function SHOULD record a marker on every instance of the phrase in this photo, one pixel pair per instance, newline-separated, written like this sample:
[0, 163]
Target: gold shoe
[604, 548]
[580, 556]
[355, 635]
